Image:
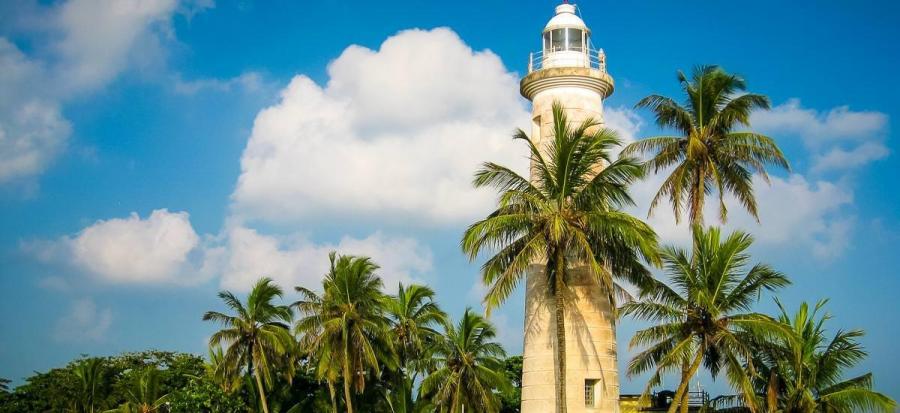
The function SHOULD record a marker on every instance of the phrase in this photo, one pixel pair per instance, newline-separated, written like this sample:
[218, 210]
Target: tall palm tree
[144, 395]
[257, 336]
[567, 215]
[470, 368]
[414, 314]
[803, 373]
[91, 376]
[346, 326]
[709, 151]
[703, 315]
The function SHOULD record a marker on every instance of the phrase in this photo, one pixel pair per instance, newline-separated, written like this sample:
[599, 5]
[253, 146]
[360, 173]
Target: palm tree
[257, 336]
[413, 314]
[144, 395]
[567, 215]
[803, 373]
[708, 151]
[470, 368]
[704, 315]
[91, 376]
[220, 372]
[346, 326]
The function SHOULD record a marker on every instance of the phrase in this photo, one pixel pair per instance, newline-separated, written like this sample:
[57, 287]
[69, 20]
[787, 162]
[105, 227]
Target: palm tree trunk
[560, 334]
[685, 378]
[697, 196]
[262, 394]
[347, 379]
[685, 381]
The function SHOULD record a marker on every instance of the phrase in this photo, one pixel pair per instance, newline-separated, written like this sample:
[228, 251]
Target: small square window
[590, 392]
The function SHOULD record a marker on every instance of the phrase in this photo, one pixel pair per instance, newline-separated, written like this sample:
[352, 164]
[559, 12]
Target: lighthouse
[570, 71]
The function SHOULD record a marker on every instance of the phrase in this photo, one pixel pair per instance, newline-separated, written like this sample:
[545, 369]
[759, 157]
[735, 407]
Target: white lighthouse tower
[570, 71]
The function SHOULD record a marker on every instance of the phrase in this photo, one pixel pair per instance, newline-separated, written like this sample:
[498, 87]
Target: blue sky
[155, 152]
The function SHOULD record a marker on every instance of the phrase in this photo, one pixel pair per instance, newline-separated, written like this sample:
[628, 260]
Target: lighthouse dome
[566, 18]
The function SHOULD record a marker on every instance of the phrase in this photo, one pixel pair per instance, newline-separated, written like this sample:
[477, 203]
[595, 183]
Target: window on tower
[590, 392]
[574, 40]
[557, 40]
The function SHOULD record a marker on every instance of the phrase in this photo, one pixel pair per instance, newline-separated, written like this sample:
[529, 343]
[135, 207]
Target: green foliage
[709, 152]
[703, 314]
[67, 389]
[470, 368]
[346, 329]
[144, 395]
[204, 395]
[804, 371]
[511, 400]
[257, 337]
[414, 315]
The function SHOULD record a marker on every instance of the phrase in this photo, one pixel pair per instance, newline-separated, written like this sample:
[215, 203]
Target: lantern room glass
[560, 40]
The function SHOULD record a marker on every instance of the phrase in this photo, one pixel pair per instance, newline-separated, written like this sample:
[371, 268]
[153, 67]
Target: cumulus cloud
[828, 134]
[162, 248]
[32, 129]
[84, 321]
[295, 260]
[816, 127]
[793, 212]
[87, 44]
[135, 249]
[99, 36]
[838, 158]
[396, 132]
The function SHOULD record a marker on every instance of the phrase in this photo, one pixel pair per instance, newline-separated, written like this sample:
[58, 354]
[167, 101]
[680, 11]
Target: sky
[154, 152]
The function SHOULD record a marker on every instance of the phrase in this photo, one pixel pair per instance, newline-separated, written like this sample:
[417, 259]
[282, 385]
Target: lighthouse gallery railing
[593, 59]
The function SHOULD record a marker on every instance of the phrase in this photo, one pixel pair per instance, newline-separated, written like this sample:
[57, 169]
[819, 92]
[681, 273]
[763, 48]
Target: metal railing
[592, 58]
[698, 398]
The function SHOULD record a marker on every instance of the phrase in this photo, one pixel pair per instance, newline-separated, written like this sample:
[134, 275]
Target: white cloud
[250, 82]
[838, 158]
[793, 212]
[85, 44]
[817, 128]
[624, 121]
[396, 133]
[100, 36]
[32, 130]
[295, 260]
[828, 134]
[163, 248]
[84, 322]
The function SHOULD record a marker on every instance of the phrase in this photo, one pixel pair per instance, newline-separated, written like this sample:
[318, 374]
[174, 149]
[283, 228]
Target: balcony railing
[698, 398]
[573, 57]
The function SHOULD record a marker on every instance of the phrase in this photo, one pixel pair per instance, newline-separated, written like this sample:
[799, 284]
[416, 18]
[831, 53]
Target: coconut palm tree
[414, 315]
[91, 376]
[470, 368]
[568, 215]
[347, 326]
[256, 337]
[709, 150]
[803, 373]
[144, 395]
[703, 314]
[221, 373]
